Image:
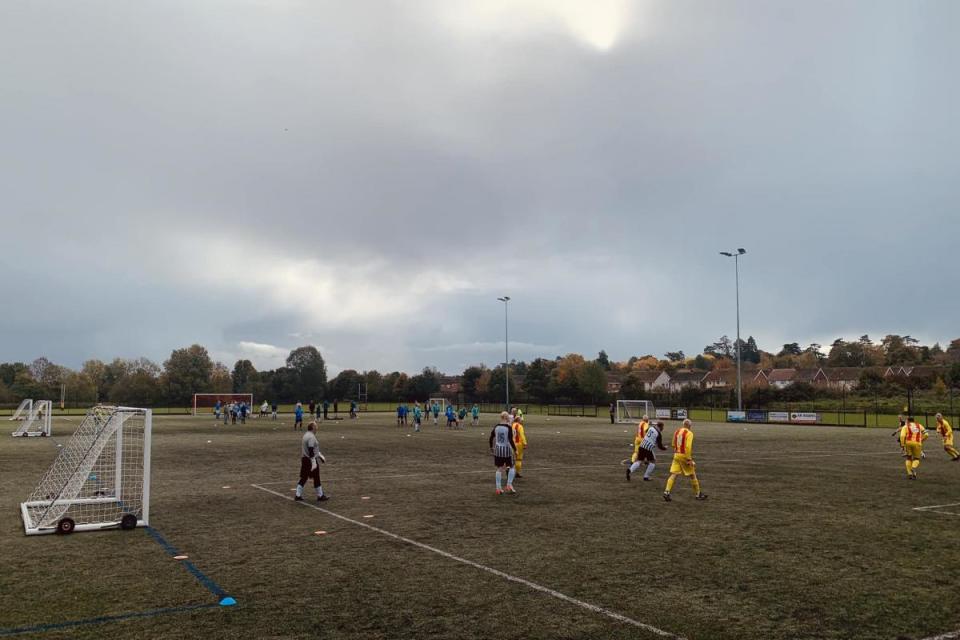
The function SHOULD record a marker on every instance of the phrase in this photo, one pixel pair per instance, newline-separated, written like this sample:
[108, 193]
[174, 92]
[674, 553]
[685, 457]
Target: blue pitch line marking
[224, 599]
[55, 626]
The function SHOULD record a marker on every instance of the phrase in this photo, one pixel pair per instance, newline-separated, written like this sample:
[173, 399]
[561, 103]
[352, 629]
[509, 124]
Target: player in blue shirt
[451, 417]
[417, 416]
[399, 414]
[435, 409]
[475, 414]
[298, 418]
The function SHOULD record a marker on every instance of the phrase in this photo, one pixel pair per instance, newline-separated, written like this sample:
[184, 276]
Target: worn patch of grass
[809, 532]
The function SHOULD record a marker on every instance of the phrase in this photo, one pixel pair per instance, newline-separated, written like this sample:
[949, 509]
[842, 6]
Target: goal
[204, 401]
[99, 480]
[38, 421]
[441, 402]
[23, 410]
[634, 410]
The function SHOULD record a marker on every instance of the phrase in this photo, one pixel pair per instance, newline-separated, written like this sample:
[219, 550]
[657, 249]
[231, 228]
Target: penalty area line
[56, 626]
[952, 635]
[476, 565]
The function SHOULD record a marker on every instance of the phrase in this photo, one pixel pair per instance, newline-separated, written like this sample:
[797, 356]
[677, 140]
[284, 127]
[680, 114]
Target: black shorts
[502, 462]
[645, 455]
[307, 472]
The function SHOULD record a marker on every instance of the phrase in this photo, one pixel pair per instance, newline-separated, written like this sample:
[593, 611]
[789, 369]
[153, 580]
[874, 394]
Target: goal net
[99, 480]
[23, 410]
[634, 410]
[205, 402]
[440, 402]
[38, 421]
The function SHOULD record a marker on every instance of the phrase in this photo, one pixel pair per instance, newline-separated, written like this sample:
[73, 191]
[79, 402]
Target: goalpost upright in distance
[634, 410]
[203, 401]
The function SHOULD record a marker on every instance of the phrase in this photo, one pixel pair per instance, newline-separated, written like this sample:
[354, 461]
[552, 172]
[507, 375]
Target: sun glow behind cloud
[600, 24]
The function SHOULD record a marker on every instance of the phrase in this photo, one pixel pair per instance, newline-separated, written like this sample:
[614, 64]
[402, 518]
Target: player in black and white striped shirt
[653, 438]
[503, 450]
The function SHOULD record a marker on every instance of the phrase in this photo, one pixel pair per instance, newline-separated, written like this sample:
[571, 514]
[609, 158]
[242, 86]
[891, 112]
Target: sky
[369, 177]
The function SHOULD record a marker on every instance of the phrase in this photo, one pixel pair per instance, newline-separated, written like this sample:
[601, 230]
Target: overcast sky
[369, 177]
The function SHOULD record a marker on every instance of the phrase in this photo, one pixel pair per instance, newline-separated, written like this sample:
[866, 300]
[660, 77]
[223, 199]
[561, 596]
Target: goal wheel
[128, 521]
[66, 526]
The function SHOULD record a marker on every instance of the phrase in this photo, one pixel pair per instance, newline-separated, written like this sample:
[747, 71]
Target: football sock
[299, 490]
[319, 490]
[499, 480]
[649, 471]
[909, 465]
[634, 467]
[952, 451]
[510, 476]
[916, 463]
[519, 465]
[696, 486]
[670, 481]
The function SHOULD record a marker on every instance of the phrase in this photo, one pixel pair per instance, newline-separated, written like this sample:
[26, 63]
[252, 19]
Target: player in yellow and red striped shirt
[683, 461]
[912, 436]
[946, 432]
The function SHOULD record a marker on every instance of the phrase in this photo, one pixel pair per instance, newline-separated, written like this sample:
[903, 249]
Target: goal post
[99, 480]
[26, 406]
[634, 410]
[441, 402]
[38, 422]
[205, 401]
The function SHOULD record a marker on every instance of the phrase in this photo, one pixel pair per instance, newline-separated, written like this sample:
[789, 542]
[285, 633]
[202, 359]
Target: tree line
[564, 379]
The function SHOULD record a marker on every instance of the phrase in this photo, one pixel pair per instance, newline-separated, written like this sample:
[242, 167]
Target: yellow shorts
[682, 464]
[912, 450]
[948, 442]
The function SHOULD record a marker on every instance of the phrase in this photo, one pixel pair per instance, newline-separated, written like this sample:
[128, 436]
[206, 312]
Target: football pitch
[809, 532]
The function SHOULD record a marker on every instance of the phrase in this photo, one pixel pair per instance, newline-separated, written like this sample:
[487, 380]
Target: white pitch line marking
[945, 636]
[476, 565]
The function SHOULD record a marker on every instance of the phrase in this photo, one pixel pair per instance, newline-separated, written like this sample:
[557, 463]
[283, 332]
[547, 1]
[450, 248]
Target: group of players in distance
[650, 437]
[508, 442]
[455, 419]
[912, 435]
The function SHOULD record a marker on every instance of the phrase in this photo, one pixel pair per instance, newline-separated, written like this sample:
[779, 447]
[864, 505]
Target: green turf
[809, 532]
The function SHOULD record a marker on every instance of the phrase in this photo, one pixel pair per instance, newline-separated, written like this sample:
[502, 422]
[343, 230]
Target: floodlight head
[726, 253]
[741, 251]
[504, 299]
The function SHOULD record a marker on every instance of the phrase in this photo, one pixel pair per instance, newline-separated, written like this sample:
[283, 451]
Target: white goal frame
[39, 422]
[440, 401]
[631, 411]
[26, 406]
[99, 480]
[234, 396]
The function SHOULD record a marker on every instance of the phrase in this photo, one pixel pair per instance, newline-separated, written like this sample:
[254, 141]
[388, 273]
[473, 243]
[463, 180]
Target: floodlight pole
[506, 347]
[736, 262]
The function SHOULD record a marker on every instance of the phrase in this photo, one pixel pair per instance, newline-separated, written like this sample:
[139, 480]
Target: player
[912, 436]
[309, 456]
[503, 449]
[637, 439]
[520, 442]
[946, 432]
[462, 417]
[435, 408]
[216, 411]
[264, 408]
[451, 417]
[475, 413]
[417, 416]
[399, 414]
[326, 409]
[652, 437]
[298, 417]
[354, 410]
[274, 410]
[683, 461]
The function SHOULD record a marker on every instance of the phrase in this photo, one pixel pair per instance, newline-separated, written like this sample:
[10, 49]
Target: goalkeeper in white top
[310, 459]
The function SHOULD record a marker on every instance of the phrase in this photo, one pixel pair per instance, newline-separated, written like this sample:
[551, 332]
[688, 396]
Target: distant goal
[37, 421]
[441, 402]
[634, 410]
[205, 402]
